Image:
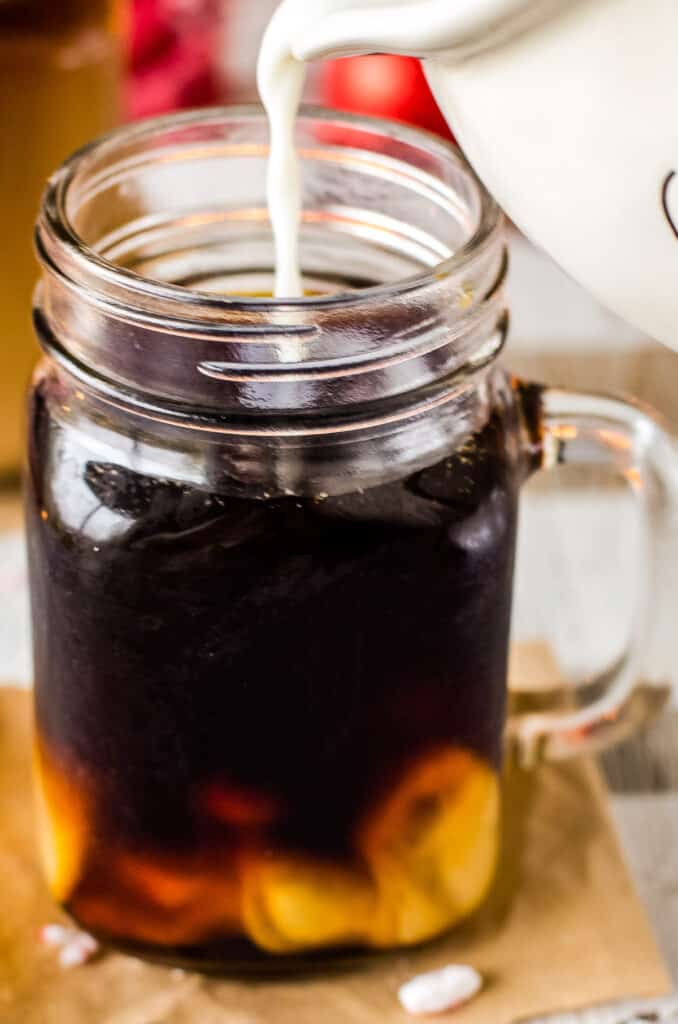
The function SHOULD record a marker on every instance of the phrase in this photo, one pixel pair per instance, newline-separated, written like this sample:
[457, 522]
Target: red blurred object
[175, 55]
[386, 86]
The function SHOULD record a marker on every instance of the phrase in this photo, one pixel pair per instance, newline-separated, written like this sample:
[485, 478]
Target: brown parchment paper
[564, 927]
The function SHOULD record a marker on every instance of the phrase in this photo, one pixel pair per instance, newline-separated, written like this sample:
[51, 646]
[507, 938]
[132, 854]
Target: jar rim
[61, 231]
[388, 199]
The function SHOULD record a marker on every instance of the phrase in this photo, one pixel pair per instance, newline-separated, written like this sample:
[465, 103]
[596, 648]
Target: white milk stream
[281, 77]
[301, 29]
[567, 110]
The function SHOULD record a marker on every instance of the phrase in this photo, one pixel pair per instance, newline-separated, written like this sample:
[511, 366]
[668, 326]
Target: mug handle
[583, 429]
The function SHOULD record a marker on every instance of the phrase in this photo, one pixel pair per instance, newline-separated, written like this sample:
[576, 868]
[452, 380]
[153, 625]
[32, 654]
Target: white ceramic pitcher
[568, 109]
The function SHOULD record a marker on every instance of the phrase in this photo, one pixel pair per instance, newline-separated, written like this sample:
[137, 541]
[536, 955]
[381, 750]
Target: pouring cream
[299, 32]
[566, 111]
[281, 75]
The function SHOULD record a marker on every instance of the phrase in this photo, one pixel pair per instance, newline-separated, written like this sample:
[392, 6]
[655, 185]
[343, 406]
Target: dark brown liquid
[271, 725]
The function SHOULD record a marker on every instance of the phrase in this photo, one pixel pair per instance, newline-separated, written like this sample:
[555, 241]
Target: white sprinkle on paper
[440, 990]
[78, 950]
[55, 935]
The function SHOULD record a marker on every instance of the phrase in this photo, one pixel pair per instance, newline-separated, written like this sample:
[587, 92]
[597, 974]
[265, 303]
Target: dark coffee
[276, 723]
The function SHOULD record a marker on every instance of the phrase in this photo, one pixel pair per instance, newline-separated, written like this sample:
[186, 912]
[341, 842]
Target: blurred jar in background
[60, 75]
[177, 56]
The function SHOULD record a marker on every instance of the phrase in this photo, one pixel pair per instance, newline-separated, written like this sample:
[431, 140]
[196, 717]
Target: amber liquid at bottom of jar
[420, 863]
[270, 728]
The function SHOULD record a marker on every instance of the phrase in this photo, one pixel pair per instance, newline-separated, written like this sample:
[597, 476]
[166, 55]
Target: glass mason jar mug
[272, 543]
